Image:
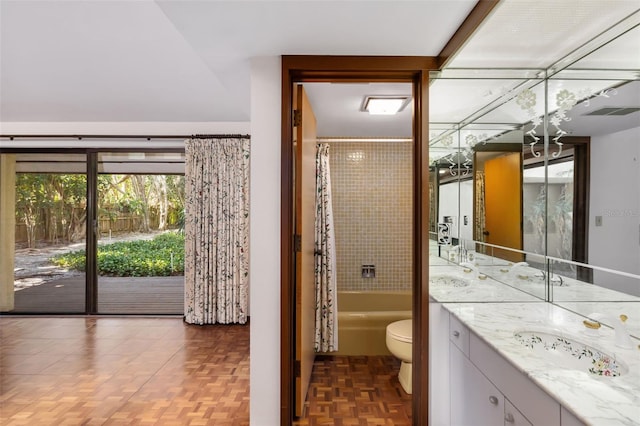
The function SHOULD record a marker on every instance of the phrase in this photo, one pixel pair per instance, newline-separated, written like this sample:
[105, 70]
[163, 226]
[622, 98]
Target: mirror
[478, 173]
[574, 198]
[609, 116]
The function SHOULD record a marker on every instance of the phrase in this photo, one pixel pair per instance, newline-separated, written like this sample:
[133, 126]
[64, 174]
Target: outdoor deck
[131, 295]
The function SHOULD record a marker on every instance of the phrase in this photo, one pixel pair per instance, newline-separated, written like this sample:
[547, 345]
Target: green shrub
[140, 258]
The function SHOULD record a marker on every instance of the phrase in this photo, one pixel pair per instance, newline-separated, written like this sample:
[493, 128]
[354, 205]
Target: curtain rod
[148, 137]
[350, 139]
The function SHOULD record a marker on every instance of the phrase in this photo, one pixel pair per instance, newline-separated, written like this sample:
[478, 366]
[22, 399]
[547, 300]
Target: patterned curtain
[216, 269]
[326, 323]
[480, 207]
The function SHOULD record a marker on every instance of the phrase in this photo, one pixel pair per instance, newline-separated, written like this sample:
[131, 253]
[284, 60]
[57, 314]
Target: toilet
[399, 343]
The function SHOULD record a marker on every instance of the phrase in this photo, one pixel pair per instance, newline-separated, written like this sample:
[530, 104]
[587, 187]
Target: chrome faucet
[553, 279]
[622, 338]
[557, 279]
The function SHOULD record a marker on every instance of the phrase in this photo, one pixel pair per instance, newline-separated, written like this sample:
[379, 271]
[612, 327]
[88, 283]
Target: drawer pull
[493, 400]
[456, 333]
[509, 418]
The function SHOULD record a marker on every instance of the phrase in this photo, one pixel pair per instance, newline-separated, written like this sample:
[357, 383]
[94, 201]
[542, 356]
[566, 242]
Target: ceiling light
[384, 105]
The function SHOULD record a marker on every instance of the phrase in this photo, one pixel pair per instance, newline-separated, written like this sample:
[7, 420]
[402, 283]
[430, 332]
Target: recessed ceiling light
[384, 105]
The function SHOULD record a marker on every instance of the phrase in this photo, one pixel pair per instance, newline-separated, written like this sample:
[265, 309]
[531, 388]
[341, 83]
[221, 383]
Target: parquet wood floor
[122, 371]
[160, 371]
[356, 390]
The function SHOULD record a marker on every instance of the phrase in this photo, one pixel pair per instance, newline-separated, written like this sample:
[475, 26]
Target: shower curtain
[216, 270]
[326, 321]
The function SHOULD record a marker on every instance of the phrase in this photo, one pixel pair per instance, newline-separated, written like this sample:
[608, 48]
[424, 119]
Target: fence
[120, 224]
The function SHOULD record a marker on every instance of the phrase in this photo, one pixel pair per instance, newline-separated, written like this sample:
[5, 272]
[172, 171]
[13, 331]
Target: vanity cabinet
[474, 399]
[487, 390]
[513, 417]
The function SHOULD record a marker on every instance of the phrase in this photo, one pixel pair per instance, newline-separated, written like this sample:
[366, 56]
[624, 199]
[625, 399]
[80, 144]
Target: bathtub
[363, 317]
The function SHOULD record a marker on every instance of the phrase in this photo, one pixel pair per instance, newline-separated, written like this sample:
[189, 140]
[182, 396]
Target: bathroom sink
[567, 352]
[448, 281]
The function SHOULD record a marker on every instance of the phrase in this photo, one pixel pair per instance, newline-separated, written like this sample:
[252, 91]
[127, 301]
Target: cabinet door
[474, 399]
[513, 417]
[568, 419]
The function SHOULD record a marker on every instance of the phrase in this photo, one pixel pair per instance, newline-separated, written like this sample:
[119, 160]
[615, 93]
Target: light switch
[598, 220]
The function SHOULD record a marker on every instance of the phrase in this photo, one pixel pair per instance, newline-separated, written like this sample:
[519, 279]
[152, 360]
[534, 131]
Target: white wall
[615, 195]
[265, 241]
[451, 196]
[466, 209]
[448, 202]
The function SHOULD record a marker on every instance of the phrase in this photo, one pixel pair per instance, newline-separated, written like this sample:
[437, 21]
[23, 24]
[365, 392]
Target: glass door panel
[140, 256]
[50, 233]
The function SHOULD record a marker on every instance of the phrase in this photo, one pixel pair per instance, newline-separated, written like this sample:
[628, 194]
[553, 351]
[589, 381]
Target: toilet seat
[401, 331]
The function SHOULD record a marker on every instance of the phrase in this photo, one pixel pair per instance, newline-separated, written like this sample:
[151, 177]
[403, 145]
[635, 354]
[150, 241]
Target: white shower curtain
[326, 322]
[216, 230]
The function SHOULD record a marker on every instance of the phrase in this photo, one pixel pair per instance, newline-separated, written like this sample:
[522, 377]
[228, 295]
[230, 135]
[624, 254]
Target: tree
[29, 197]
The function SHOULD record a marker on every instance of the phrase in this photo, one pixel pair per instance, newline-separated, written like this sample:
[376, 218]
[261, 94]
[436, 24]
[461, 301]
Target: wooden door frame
[413, 70]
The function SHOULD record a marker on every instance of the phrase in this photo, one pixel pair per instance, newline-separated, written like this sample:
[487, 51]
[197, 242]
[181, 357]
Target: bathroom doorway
[368, 284]
[357, 70]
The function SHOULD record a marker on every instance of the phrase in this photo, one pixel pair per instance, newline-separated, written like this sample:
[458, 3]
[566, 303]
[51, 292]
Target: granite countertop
[596, 400]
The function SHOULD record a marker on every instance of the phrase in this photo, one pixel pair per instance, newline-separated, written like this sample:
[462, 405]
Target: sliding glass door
[140, 250]
[95, 232]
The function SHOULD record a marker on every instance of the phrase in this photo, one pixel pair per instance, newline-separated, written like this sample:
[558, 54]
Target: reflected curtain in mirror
[480, 207]
[216, 230]
[326, 321]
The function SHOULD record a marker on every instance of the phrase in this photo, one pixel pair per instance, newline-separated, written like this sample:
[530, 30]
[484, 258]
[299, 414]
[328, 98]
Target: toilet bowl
[399, 343]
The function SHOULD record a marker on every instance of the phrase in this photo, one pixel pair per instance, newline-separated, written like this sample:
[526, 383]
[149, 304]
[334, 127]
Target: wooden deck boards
[116, 295]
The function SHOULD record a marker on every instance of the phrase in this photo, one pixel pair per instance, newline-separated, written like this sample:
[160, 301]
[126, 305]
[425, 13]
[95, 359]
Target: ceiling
[189, 61]
[516, 45]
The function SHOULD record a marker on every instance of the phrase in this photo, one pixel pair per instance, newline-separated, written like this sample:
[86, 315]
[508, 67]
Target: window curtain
[326, 321]
[216, 230]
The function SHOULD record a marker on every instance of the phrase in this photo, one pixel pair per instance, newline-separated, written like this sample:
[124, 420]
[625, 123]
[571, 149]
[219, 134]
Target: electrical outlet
[598, 220]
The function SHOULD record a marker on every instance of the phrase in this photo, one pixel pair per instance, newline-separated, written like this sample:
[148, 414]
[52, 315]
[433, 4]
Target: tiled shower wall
[372, 203]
